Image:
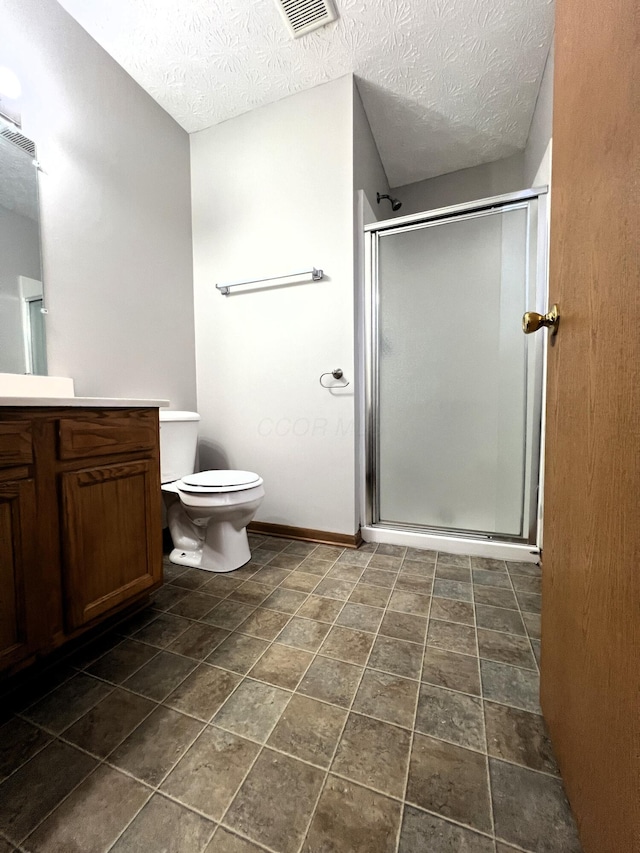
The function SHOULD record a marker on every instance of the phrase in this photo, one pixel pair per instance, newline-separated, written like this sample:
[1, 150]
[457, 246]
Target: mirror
[22, 313]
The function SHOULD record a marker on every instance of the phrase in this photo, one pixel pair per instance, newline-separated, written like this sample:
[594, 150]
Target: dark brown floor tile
[198, 641]
[396, 656]
[499, 619]
[28, 796]
[171, 570]
[529, 602]
[448, 669]
[283, 666]
[521, 583]
[457, 590]
[228, 614]
[390, 550]
[252, 710]
[301, 549]
[304, 634]
[450, 716]
[118, 664]
[68, 702]
[348, 645]
[387, 562]
[264, 808]
[421, 555]
[378, 577]
[426, 833]
[354, 558]
[496, 579]
[264, 624]
[321, 609]
[209, 775]
[387, 697]
[271, 575]
[109, 722]
[168, 596]
[301, 582]
[331, 680]
[33, 687]
[532, 624]
[409, 602]
[332, 588]
[495, 597]
[155, 746]
[373, 596]
[505, 648]
[160, 676]
[93, 816]
[531, 810]
[519, 736]
[250, 593]
[259, 557]
[445, 559]
[225, 841]
[203, 692]
[238, 653]
[537, 651]
[404, 626]
[284, 600]
[373, 753]
[315, 565]
[449, 610]
[452, 637]
[286, 561]
[195, 605]
[410, 583]
[352, 819]
[345, 572]
[221, 585]
[418, 568]
[163, 825]
[163, 630]
[453, 573]
[191, 579]
[19, 741]
[510, 685]
[533, 570]
[308, 730]
[360, 617]
[489, 564]
[451, 781]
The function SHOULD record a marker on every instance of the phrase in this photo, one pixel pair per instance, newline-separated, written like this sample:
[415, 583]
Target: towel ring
[338, 373]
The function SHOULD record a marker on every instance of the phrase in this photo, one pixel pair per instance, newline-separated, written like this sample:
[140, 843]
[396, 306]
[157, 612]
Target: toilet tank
[178, 444]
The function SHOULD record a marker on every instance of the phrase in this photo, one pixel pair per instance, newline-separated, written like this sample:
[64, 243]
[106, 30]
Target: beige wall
[116, 220]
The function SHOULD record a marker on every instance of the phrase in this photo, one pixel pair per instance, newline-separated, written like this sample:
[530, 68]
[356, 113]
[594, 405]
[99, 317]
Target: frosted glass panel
[452, 374]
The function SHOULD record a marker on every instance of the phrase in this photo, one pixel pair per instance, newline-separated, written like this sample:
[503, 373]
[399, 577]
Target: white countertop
[83, 402]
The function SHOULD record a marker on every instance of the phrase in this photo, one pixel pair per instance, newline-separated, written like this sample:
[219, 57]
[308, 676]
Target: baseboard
[306, 534]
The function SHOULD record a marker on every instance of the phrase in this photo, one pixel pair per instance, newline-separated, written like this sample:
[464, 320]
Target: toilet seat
[217, 481]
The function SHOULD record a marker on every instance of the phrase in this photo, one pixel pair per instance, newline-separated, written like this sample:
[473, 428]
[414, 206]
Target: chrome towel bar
[316, 275]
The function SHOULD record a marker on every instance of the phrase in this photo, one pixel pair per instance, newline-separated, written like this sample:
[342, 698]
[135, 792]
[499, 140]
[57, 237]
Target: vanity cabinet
[80, 522]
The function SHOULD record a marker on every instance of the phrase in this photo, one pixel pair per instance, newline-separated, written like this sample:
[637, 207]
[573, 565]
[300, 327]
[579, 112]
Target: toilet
[207, 512]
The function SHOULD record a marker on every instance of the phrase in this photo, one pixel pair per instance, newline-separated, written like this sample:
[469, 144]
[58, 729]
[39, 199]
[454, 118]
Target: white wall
[368, 171]
[488, 179]
[19, 255]
[272, 193]
[537, 155]
[115, 205]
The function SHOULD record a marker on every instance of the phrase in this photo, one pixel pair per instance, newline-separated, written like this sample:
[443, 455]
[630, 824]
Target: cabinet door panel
[111, 530]
[18, 584]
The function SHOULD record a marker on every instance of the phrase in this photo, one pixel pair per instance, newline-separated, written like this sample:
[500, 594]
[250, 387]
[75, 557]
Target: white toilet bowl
[208, 514]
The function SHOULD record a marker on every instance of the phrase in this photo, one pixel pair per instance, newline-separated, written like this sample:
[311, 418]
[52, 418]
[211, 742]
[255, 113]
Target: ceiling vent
[18, 139]
[304, 16]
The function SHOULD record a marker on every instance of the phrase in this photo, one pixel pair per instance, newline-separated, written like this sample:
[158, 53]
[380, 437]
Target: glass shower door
[453, 391]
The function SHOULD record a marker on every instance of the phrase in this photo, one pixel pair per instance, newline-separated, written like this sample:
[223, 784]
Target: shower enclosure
[454, 388]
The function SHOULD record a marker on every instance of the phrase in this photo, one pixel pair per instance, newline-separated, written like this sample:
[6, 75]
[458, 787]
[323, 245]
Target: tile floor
[314, 701]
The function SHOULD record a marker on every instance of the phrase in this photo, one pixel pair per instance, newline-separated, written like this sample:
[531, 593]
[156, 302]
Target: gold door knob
[531, 321]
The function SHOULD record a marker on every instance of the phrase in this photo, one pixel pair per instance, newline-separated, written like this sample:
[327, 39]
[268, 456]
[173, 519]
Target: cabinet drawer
[15, 443]
[107, 434]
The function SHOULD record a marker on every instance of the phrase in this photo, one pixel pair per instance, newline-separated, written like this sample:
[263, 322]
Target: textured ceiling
[18, 181]
[446, 84]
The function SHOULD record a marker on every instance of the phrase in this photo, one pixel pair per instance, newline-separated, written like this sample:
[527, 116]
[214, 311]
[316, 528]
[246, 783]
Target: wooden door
[591, 561]
[18, 572]
[112, 537]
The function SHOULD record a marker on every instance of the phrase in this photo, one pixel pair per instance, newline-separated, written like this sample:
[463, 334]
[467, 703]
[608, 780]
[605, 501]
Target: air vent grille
[303, 16]
[19, 140]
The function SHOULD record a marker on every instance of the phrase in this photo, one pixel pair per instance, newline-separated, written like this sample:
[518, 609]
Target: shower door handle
[532, 321]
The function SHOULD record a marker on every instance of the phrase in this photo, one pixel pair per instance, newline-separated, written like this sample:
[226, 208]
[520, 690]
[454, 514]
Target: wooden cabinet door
[18, 582]
[112, 537]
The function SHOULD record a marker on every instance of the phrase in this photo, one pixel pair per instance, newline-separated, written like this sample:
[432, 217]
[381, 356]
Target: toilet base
[224, 549]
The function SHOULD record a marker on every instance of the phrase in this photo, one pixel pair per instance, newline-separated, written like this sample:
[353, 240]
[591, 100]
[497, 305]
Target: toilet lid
[219, 481]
